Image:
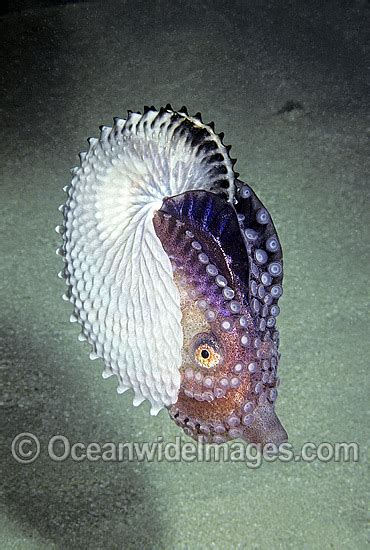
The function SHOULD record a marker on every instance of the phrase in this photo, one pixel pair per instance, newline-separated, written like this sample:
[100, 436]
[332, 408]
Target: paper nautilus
[174, 271]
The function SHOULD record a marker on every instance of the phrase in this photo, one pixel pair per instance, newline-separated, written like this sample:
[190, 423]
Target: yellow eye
[206, 356]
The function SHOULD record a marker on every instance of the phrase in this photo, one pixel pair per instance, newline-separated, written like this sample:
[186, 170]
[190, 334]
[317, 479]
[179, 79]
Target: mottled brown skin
[220, 409]
[193, 323]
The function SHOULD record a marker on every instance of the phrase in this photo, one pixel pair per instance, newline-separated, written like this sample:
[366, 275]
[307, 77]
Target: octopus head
[229, 365]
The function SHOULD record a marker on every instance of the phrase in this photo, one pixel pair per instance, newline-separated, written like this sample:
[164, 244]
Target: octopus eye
[206, 352]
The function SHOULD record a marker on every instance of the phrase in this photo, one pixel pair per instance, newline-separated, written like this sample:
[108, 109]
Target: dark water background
[286, 82]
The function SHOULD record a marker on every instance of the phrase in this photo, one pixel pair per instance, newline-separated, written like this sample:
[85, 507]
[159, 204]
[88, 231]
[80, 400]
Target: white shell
[119, 276]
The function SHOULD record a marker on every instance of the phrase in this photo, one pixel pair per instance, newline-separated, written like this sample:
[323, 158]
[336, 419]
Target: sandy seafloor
[69, 68]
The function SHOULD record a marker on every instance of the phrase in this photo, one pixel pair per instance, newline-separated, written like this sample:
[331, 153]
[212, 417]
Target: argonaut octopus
[174, 270]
